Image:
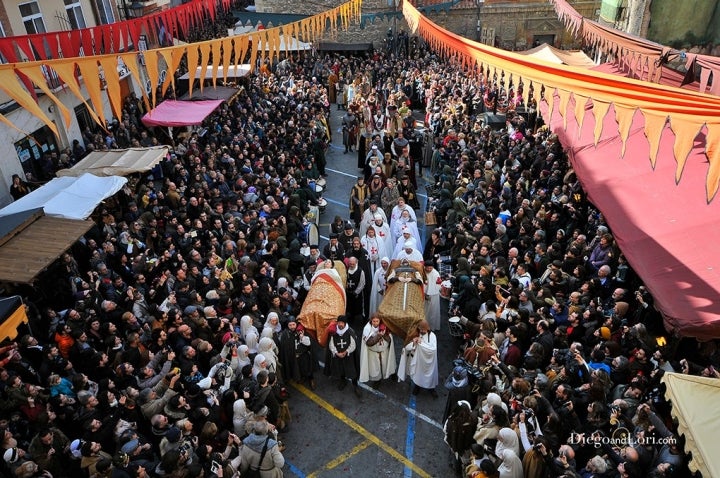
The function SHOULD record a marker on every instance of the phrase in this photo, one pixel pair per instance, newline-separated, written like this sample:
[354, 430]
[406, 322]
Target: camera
[184, 449]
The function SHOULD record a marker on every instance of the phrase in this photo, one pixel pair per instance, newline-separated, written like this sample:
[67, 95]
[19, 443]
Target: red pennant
[38, 44]
[7, 48]
[28, 84]
[25, 47]
[107, 46]
[116, 35]
[76, 44]
[87, 41]
[132, 33]
[52, 41]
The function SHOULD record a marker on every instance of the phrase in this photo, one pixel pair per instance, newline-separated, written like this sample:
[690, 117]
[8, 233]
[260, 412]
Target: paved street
[387, 432]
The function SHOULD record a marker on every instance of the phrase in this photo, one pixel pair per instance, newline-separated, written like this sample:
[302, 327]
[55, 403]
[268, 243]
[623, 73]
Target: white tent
[692, 398]
[293, 45]
[234, 71]
[560, 57]
[68, 197]
[118, 162]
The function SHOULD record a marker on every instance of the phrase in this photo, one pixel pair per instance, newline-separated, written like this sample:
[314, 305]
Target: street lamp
[479, 4]
[134, 10]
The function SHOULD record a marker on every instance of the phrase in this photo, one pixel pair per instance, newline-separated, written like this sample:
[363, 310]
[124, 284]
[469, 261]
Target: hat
[348, 226]
[377, 216]
[605, 333]
[374, 147]
[190, 309]
[173, 434]
[341, 318]
[333, 235]
[120, 459]
[429, 264]
[75, 447]
[11, 455]
[493, 399]
[408, 245]
[130, 446]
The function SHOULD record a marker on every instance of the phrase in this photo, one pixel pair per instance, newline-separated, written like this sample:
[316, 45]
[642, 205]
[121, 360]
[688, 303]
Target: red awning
[180, 113]
[667, 231]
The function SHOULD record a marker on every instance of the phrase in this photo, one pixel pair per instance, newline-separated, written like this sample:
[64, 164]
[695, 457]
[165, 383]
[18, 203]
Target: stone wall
[516, 25]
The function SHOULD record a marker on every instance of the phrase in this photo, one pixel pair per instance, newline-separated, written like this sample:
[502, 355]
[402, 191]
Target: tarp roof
[275, 19]
[234, 71]
[225, 93]
[698, 420]
[180, 113]
[561, 57]
[118, 162]
[665, 229]
[68, 197]
[648, 156]
[334, 46]
[36, 243]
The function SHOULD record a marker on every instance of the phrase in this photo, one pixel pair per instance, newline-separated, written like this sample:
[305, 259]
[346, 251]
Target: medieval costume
[377, 352]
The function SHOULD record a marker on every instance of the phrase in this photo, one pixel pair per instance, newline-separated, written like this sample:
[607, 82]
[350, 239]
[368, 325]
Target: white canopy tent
[118, 162]
[68, 197]
[293, 45]
[234, 71]
[692, 398]
[560, 57]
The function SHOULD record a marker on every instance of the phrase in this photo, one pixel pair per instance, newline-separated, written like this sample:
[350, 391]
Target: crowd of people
[170, 335]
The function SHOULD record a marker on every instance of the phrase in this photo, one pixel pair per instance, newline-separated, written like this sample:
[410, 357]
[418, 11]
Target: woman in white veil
[377, 291]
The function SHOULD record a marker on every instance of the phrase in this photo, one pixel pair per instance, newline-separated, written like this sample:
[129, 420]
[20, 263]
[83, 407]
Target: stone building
[513, 25]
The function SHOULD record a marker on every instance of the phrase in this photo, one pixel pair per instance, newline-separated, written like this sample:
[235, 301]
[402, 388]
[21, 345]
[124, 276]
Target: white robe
[377, 362]
[375, 248]
[420, 362]
[378, 285]
[368, 219]
[398, 227]
[383, 233]
[395, 219]
[432, 304]
[415, 256]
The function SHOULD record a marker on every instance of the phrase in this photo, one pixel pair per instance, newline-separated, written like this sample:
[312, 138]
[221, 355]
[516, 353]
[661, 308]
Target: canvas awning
[224, 93]
[68, 197]
[180, 113]
[335, 46]
[118, 162]
[35, 242]
[561, 57]
[665, 229]
[691, 397]
[233, 71]
[12, 315]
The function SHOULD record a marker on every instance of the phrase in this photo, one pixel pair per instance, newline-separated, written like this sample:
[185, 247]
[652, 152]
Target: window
[105, 12]
[75, 14]
[32, 17]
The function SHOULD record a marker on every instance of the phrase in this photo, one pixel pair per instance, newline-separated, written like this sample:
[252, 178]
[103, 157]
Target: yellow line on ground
[340, 459]
[361, 430]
